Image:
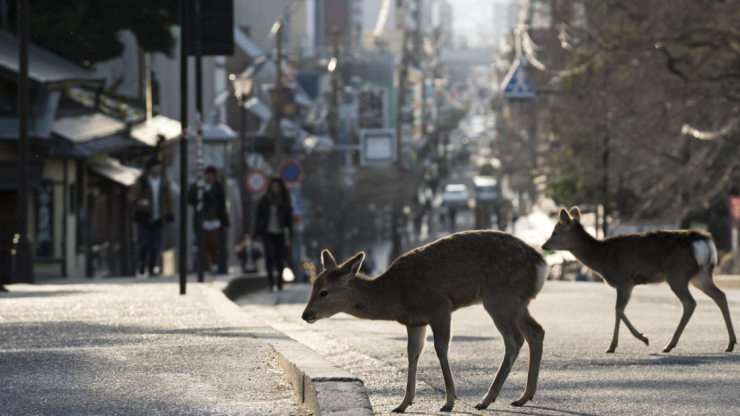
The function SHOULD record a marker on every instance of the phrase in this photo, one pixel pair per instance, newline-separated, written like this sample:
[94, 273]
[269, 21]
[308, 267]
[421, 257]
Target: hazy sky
[474, 18]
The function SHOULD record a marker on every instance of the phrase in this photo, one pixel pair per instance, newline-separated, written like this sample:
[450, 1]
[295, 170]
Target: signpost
[291, 171]
[255, 181]
[517, 84]
[377, 147]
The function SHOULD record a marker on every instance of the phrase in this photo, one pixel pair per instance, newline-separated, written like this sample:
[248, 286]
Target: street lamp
[243, 84]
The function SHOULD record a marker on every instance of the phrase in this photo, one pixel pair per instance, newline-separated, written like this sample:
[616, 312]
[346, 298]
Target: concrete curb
[241, 285]
[322, 387]
[727, 281]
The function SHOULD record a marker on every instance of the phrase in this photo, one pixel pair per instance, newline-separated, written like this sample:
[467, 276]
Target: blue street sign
[291, 171]
[517, 84]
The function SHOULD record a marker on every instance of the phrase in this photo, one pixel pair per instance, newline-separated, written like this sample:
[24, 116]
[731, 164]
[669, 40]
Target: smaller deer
[424, 286]
[678, 257]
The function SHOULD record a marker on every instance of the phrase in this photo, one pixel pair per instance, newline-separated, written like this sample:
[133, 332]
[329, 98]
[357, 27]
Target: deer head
[331, 290]
[563, 236]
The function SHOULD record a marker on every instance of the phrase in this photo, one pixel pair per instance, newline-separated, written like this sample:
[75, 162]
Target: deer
[425, 285]
[623, 262]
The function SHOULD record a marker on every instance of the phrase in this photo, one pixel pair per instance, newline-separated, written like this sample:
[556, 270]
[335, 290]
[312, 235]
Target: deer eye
[323, 293]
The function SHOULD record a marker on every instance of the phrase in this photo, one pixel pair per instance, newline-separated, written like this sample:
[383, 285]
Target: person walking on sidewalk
[214, 218]
[274, 215]
[152, 198]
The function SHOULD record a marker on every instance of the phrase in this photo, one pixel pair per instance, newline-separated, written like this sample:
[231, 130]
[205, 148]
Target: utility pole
[335, 81]
[605, 185]
[23, 266]
[183, 260]
[403, 75]
[278, 97]
[199, 237]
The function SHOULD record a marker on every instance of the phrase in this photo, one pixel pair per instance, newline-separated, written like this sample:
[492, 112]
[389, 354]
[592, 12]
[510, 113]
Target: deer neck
[373, 298]
[588, 250]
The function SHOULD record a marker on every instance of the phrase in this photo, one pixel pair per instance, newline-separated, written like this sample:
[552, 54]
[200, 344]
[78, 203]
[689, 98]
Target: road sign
[291, 171]
[299, 209]
[735, 207]
[517, 84]
[255, 181]
[377, 147]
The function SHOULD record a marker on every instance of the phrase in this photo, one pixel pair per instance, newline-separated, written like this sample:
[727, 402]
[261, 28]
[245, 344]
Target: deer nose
[304, 316]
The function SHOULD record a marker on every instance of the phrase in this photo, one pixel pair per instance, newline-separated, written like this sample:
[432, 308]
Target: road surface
[577, 377]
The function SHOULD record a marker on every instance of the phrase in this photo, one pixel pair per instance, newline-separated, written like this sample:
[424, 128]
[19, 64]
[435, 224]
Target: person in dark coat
[274, 217]
[214, 214]
[153, 206]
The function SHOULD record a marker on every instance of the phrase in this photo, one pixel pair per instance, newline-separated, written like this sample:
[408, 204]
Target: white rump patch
[541, 275]
[705, 253]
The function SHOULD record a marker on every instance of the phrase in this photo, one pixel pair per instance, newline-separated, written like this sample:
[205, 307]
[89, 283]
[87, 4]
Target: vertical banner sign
[735, 207]
[44, 220]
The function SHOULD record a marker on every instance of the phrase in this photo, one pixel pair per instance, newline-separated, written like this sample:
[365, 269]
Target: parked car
[486, 188]
[455, 195]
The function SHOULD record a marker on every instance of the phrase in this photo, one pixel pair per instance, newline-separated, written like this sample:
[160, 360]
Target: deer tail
[705, 254]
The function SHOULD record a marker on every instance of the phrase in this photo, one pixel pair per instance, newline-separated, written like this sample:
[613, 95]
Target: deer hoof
[481, 406]
[731, 346]
[521, 401]
[399, 409]
[446, 408]
[668, 348]
[611, 350]
[644, 339]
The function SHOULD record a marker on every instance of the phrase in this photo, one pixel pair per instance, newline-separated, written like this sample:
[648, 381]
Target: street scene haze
[358, 207]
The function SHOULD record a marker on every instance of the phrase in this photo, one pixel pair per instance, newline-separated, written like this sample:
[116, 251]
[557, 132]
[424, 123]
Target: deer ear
[351, 267]
[327, 260]
[564, 217]
[575, 212]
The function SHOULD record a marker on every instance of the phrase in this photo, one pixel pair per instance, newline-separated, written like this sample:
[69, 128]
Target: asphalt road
[577, 377]
[132, 347]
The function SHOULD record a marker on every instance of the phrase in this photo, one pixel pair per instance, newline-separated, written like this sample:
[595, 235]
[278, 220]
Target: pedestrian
[274, 216]
[249, 252]
[152, 199]
[214, 217]
[452, 214]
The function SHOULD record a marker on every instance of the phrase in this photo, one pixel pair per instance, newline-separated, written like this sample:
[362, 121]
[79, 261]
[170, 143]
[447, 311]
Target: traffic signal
[371, 114]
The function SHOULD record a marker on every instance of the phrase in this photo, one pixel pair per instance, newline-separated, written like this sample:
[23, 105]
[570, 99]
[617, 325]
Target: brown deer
[678, 257]
[425, 285]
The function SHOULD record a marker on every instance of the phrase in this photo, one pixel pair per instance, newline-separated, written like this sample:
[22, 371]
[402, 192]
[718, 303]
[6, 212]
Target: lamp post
[243, 84]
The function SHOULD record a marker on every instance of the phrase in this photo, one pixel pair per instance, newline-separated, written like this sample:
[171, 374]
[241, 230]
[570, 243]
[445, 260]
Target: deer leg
[703, 281]
[535, 336]
[441, 331]
[615, 336]
[415, 347]
[681, 289]
[624, 293]
[505, 320]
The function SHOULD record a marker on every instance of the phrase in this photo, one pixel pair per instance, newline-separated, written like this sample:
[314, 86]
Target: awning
[113, 169]
[259, 109]
[109, 144]
[148, 131]
[80, 129]
[218, 132]
[43, 66]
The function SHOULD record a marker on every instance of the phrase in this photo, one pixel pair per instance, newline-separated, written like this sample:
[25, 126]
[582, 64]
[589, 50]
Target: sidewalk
[133, 347]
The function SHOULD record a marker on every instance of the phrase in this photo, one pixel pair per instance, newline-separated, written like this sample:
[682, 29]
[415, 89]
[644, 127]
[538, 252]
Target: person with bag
[214, 215]
[274, 216]
[153, 207]
[249, 253]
